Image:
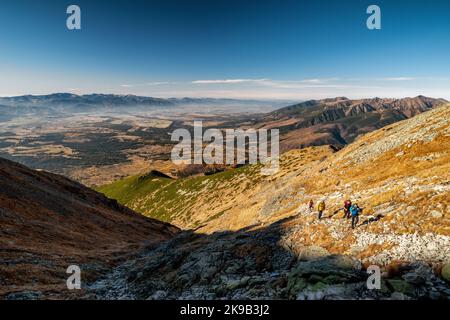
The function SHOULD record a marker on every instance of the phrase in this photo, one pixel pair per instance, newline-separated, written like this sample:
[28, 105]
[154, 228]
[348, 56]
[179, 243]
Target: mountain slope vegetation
[49, 222]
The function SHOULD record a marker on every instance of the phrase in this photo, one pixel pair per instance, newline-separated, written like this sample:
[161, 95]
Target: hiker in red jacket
[347, 205]
[311, 206]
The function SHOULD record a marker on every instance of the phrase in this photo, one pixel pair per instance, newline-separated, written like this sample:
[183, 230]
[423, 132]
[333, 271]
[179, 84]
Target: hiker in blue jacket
[354, 212]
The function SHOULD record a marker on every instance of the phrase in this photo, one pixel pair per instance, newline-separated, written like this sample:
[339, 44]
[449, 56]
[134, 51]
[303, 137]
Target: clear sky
[226, 48]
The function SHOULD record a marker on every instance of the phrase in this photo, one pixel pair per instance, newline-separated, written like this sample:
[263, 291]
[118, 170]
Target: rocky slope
[258, 263]
[255, 238]
[49, 222]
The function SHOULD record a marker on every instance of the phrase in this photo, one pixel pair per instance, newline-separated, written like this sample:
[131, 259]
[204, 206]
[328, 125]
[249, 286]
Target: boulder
[436, 214]
[233, 284]
[24, 295]
[445, 272]
[313, 253]
[331, 265]
[295, 285]
[332, 269]
[419, 274]
[322, 291]
[398, 296]
[401, 286]
[158, 295]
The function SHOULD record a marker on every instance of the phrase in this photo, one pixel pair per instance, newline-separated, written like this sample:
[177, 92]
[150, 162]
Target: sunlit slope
[196, 201]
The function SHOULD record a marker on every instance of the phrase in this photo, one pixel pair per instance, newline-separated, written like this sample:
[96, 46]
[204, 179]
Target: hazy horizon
[222, 97]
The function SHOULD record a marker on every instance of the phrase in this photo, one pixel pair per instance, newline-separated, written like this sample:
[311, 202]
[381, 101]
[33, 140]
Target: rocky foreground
[262, 263]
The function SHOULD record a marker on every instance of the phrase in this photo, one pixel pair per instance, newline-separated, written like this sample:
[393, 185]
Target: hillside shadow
[257, 262]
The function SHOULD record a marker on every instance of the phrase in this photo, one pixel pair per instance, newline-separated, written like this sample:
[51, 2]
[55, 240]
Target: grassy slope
[169, 200]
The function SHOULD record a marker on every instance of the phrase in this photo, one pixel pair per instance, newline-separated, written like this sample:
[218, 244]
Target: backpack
[354, 210]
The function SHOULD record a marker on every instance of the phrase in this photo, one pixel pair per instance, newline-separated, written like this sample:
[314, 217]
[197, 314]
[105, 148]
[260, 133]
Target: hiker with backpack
[347, 205]
[321, 208]
[354, 212]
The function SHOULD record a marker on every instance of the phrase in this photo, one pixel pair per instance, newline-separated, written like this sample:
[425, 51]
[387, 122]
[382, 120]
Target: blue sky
[226, 48]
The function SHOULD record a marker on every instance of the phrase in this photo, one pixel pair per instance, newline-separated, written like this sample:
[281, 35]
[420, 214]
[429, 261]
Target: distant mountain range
[72, 102]
[64, 99]
[340, 120]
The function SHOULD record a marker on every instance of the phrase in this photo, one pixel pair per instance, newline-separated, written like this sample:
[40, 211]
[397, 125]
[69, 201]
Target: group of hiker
[351, 210]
